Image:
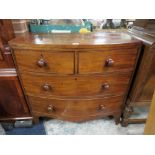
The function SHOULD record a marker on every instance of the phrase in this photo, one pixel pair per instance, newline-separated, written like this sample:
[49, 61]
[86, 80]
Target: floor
[95, 127]
[37, 129]
[104, 126]
[2, 132]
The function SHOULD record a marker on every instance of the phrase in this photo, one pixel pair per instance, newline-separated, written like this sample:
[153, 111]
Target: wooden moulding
[8, 72]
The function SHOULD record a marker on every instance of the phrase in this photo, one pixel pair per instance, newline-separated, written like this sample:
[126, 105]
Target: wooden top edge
[142, 36]
[74, 40]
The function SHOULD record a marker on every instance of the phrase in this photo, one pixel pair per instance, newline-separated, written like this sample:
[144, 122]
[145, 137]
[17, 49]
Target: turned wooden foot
[124, 123]
[35, 120]
[126, 114]
[117, 118]
[110, 117]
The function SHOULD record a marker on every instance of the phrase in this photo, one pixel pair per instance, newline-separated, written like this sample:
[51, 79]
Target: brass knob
[105, 86]
[41, 63]
[47, 87]
[101, 107]
[50, 108]
[109, 62]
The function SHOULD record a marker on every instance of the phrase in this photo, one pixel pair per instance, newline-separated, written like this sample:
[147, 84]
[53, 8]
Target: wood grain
[12, 102]
[76, 110]
[95, 61]
[75, 86]
[150, 123]
[74, 40]
[56, 62]
[144, 80]
[13, 105]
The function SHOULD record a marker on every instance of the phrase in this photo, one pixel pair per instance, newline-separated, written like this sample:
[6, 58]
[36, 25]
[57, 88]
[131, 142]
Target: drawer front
[106, 61]
[75, 108]
[45, 61]
[46, 85]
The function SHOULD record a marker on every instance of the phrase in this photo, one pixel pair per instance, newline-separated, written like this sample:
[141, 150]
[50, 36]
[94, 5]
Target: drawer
[106, 61]
[47, 85]
[45, 61]
[60, 108]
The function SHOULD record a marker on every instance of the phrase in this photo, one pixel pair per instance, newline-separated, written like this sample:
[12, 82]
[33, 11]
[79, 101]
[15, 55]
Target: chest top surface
[74, 40]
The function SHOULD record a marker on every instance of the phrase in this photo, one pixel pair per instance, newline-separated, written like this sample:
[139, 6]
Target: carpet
[2, 132]
[37, 129]
[104, 126]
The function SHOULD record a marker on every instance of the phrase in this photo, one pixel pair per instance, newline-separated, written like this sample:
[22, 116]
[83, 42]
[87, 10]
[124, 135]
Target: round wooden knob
[47, 87]
[109, 62]
[50, 108]
[101, 107]
[41, 63]
[105, 86]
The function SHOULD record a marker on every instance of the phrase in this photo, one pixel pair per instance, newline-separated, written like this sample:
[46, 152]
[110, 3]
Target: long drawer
[106, 61]
[74, 86]
[70, 109]
[55, 62]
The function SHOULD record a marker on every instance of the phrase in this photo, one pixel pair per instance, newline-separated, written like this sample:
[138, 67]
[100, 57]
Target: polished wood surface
[6, 60]
[76, 74]
[77, 85]
[144, 80]
[13, 105]
[1, 55]
[74, 40]
[46, 61]
[103, 61]
[144, 83]
[12, 102]
[147, 90]
[150, 123]
[76, 110]
[6, 30]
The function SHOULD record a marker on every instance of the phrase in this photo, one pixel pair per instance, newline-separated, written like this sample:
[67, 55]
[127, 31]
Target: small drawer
[62, 108]
[106, 61]
[55, 62]
[98, 85]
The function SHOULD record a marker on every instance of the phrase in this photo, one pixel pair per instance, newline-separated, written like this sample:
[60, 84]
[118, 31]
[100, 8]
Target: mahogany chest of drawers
[76, 77]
